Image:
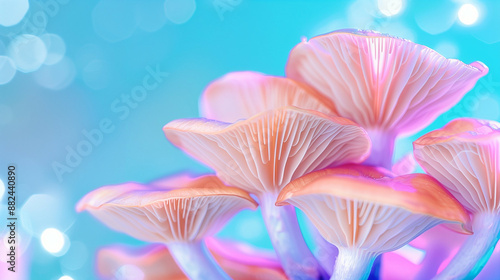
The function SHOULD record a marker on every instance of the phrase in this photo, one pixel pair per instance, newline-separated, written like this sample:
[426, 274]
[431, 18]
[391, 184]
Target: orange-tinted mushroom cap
[377, 215]
[240, 261]
[464, 156]
[382, 82]
[241, 95]
[265, 152]
[187, 213]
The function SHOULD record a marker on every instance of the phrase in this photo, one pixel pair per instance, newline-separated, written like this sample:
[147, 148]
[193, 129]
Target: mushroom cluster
[321, 140]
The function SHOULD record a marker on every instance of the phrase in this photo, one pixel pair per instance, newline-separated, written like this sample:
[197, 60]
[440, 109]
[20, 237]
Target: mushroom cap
[376, 215]
[185, 214]
[241, 95]
[240, 261]
[354, 170]
[264, 153]
[154, 261]
[464, 157]
[381, 82]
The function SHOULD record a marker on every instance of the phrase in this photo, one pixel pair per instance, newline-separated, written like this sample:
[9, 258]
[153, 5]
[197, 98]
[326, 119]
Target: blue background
[109, 46]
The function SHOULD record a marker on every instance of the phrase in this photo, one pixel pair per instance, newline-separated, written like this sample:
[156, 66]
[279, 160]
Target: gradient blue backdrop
[109, 46]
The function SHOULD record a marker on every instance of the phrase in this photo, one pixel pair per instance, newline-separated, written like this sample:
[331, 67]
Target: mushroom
[179, 218]
[389, 86]
[241, 95]
[264, 153]
[464, 157]
[364, 214]
[240, 261]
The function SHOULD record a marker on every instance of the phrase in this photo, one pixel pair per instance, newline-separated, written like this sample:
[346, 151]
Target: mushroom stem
[325, 252]
[353, 264]
[281, 221]
[196, 261]
[382, 149]
[477, 249]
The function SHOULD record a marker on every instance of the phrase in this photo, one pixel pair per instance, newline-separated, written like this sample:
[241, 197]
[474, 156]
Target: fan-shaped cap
[381, 82]
[241, 95]
[240, 261]
[189, 213]
[464, 157]
[376, 215]
[262, 154]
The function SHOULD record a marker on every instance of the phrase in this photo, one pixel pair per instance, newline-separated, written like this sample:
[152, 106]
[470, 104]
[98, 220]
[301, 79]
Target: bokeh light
[87, 62]
[468, 14]
[52, 240]
[151, 15]
[41, 211]
[57, 76]
[390, 7]
[362, 14]
[28, 52]
[55, 48]
[114, 20]
[7, 70]
[435, 17]
[179, 11]
[12, 11]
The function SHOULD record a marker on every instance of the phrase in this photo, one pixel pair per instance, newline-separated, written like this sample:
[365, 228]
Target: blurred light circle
[151, 16]
[390, 7]
[129, 272]
[57, 76]
[362, 14]
[66, 277]
[12, 11]
[179, 11]
[52, 240]
[435, 17]
[28, 52]
[7, 69]
[114, 20]
[468, 14]
[41, 211]
[486, 28]
[447, 49]
[96, 74]
[55, 48]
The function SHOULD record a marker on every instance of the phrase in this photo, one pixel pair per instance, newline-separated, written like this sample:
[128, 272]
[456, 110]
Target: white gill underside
[275, 149]
[468, 170]
[172, 220]
[382, 82]
[363, 225]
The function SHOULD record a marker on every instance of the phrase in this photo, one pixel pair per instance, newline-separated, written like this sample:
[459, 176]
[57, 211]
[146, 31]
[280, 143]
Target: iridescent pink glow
[322, 140]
